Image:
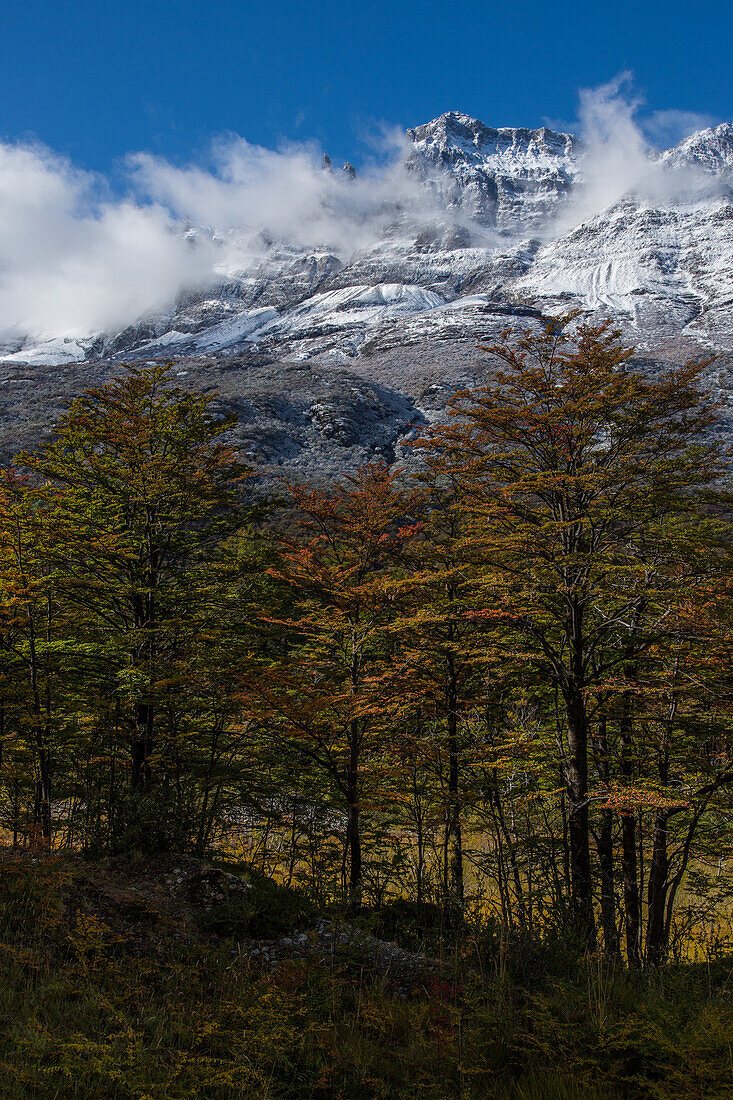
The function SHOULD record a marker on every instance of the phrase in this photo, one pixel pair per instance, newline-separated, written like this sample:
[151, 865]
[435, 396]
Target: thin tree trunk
[495, 799]
[656, 940]
[353, 830]
[576, 779]
[658, 884]
[42, 808]
[632, 907]
[16, 812]
[454, 838]
[142, 747]
[632, 919]
[605, 849]
[579, 818]
[608, 890]
[565, 841]
[419, 837]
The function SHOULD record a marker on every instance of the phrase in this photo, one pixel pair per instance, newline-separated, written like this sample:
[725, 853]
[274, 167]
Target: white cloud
[285, 194]
[620, 153]
[73, 260]
[616, 154]
[76, 260]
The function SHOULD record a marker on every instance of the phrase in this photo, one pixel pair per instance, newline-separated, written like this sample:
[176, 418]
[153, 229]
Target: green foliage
[266, 911]
[185, 1019]
[417, 927]
[485, 697]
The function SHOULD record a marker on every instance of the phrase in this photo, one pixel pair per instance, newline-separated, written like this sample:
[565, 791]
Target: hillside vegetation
[479, 705]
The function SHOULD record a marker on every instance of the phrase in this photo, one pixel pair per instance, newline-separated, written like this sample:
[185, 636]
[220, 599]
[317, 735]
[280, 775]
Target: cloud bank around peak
[76, 259]
[621, 144]
[286, 194]
[73, 259]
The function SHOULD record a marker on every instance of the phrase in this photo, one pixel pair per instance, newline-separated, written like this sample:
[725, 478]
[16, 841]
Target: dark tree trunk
[419, 838]
[43, 795]
[576, 781]
[42, 800]
[632, 917]
[565, 841]
[608, 890]
[145, 620]
[605, 850]
[454, 839]
[353, 830]
[576, 771]
[632, 906]
[142, 747]
[656, 933]
[658, 886]
[16, 812]
[504, 840]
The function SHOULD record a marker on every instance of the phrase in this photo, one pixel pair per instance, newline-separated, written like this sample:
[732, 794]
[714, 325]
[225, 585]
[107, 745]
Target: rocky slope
[332, 359]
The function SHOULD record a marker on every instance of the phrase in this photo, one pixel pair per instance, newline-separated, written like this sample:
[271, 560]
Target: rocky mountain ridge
[509, 230]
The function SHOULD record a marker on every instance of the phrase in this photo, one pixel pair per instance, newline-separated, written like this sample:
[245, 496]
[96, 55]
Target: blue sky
[96, 79]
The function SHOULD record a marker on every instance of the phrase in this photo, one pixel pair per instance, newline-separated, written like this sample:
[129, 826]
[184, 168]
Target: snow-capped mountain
[501, 226]
[710, 149]
[510, 178]
[501, 222]
[663, 271]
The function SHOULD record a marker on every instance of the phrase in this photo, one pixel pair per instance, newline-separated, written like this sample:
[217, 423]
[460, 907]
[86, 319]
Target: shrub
[266, 911]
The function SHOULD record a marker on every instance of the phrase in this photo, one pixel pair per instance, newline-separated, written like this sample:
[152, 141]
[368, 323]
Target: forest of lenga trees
[496, 677]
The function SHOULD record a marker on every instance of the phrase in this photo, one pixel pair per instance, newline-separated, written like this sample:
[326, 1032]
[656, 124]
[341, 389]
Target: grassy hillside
[141, 979]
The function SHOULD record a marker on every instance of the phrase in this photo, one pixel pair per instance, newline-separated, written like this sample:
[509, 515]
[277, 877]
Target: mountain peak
[460, 134]
[711, 149]
[504, 177]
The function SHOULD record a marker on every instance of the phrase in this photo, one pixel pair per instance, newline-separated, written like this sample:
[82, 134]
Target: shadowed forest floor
[170, 978]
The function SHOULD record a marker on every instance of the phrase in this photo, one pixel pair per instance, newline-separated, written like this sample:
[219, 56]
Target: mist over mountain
[336, 309]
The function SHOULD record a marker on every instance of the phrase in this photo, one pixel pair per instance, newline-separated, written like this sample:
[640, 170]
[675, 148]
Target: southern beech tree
[323, 696]
[136, 491]
[498, 672]
[571, 464]
[438, 662]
